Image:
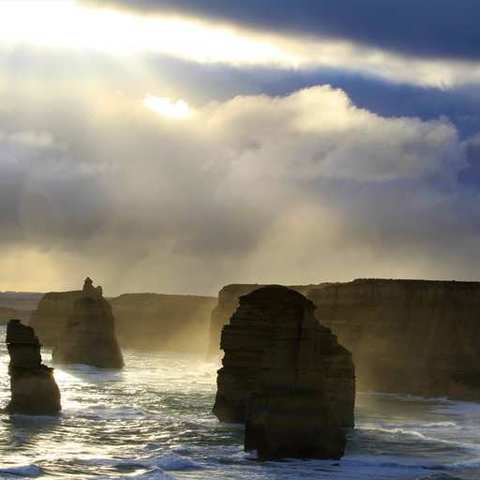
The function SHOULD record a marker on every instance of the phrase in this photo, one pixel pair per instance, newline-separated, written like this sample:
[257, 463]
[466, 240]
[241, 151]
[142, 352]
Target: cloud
[61, 26]
[299, 188]
[431, 28]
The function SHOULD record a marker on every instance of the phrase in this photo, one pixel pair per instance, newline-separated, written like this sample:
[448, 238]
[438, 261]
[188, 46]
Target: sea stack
[89, 337]
[33, 387]
[286, 377]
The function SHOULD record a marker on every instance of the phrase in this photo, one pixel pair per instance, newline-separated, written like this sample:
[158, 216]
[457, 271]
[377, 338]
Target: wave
[167, 462]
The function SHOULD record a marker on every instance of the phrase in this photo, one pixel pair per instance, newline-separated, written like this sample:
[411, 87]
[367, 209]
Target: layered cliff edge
[145, 321]
[407, 336]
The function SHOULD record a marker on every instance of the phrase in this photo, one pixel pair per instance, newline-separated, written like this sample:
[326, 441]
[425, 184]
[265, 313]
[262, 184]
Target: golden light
[167, 107]
[68, 24]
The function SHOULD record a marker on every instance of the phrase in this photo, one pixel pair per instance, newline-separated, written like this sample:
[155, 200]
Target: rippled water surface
[153, 421]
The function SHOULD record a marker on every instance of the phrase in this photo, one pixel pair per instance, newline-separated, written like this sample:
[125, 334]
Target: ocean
[153, 420]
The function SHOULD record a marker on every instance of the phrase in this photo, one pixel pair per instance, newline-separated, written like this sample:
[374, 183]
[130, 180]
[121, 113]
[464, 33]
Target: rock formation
[33, 387]
[150, 321]
[89, 335]
[406, 336]
[286, 377]
[50, 318]
[143, 321]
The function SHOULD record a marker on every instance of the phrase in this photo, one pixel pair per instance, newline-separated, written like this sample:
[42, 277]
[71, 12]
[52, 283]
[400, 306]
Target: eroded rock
[286, 377]
[89, 336]
[418, 337]
[33, 387]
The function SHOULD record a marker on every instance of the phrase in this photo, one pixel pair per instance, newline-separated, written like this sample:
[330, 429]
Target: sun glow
[167, 107]
[67, 24]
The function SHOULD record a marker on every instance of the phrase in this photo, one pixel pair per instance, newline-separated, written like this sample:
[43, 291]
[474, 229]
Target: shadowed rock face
[286, 377]
[33, 387]
[406, 336]
[89, 336]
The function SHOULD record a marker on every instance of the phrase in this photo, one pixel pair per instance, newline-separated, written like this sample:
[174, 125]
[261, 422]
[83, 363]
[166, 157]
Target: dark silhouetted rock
[89, 335]
[33, 387]
[286, 377]
[418, 337]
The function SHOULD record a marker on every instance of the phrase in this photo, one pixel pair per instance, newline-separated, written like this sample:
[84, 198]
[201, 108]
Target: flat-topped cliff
[50, 317]
[146, 321]
[406, 336]
[153, 321]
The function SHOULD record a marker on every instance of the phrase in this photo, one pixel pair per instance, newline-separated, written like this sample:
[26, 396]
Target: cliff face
[33, 387]
[146, 321]
[163, 322]
[228, 299]
[418, 337]
[89, 335]
[406, 336]
[50, 318]
[286, 377]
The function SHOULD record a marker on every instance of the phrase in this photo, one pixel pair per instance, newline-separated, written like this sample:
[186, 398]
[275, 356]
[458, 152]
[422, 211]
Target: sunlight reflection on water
[153, 420]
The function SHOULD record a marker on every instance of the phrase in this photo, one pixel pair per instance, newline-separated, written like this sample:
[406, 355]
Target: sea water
[153, 420]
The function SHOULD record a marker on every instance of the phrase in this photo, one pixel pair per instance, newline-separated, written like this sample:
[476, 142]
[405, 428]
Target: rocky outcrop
[150, 321]
[33, 387]
[286, 377]
[50, 318]
[406, 336]
[89, 336]
[144, 321]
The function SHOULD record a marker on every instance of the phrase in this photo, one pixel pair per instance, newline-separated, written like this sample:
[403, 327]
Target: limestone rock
[286, 377]
[89, 336]
[50, 317]
[152, 321]
[418, 337]
[143, 321]
[33, 387]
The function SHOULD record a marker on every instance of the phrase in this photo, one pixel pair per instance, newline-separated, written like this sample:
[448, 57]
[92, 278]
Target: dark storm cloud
[438, 28]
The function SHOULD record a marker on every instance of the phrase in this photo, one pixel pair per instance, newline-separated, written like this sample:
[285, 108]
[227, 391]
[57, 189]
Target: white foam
[172, 461]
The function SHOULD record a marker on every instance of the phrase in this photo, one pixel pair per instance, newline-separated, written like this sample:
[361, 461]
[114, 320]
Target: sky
[178, 146]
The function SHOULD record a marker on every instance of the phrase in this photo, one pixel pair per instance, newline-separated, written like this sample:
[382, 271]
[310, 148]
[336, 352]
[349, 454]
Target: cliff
[89, 335]
[50, 318]
[163, 322]
[33, 387]
[145, 321]
[406, 336]
[7, 313]
[286, 377]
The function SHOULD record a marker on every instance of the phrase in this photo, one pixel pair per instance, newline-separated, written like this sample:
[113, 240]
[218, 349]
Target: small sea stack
[33, 387]
[286, 377]
[89, 336]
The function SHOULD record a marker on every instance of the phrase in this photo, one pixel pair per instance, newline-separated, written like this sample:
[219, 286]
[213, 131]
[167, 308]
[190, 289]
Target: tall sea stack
[286, 377]
[89, 336]
[33, 387]
[419, 337]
